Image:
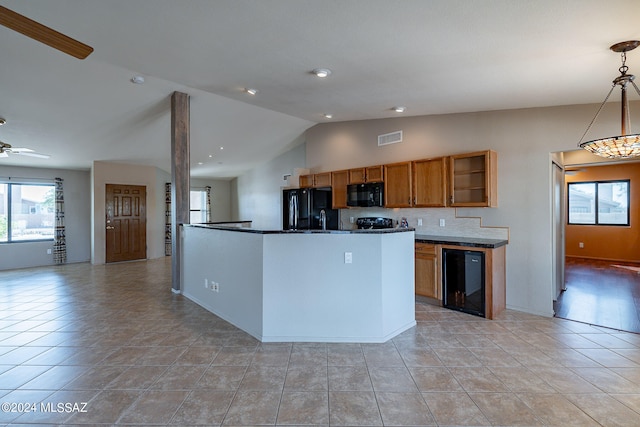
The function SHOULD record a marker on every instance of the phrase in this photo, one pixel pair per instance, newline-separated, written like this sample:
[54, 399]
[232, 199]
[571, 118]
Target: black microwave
[369, 194]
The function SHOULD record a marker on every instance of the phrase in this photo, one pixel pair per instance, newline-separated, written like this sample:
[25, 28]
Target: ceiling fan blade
[21, 149]
[43, 34]
[3, 154]
[31, 154]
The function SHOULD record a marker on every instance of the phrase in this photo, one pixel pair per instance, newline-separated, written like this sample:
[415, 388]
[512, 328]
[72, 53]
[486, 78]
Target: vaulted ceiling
[431, 56]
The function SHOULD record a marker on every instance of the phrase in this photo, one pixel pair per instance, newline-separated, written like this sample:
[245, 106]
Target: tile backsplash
[431, 220]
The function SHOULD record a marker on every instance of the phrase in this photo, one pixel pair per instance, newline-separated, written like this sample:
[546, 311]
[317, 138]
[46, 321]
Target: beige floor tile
[392, 379]
[264, 378]
[137, 378]
[404, 409]
[97, 378]
[457, 357]
[234, 356]
[272, 355]
[455, 409]
[345, 355]
[353, 409]
[303, 378]
[521, 379]
[227, 378]
[564, 380]
[478, 379]
[55, 378]
[304, 408]
[106, 407]
[420, 357]
[555, 410]
[250, 408]
[382, 355]
[605, 409]
[434, 379]
[154, 407]
[505, 409]
[203, 407]
[608, 380]
[178, 377]
[349, 378]
[198, 355]
[609, 358]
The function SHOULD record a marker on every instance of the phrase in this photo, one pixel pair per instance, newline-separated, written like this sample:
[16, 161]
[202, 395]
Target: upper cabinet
[397, 185]
[473, 179]
[339, 181]
[315, 180]
[368, 174]
[430, 182]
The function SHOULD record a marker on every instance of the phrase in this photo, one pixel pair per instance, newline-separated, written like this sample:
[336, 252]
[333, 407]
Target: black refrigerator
[301, 209]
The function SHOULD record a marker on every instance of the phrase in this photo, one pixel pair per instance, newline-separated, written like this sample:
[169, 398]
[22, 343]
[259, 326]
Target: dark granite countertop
[258, 231]
[473, 242]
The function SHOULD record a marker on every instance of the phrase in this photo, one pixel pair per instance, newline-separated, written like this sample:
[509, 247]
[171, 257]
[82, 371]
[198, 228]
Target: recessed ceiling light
[2, 121]
[399, 109]
[137, 80]
[200, 163]
[222, 148]
[250, 90]
[328, 116]
[322, 72]
[210, 155]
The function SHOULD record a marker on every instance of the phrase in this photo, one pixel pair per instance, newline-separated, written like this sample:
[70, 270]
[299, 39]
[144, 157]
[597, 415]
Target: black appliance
[463, 281]
[374, 223]
[302, 209]
[364, 195]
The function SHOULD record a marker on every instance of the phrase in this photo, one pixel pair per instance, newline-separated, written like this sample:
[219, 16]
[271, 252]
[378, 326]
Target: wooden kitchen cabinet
[397, 185]
[426, 271]
[305, 181]
[430, 182]
[315, 180]
[368, 174]
[339, 181]
[473, 179]
[322, 179]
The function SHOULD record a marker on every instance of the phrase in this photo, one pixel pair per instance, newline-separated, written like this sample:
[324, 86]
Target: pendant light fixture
[625, 145]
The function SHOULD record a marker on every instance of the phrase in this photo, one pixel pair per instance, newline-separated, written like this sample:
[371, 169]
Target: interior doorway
[601, 262]
[126, 222]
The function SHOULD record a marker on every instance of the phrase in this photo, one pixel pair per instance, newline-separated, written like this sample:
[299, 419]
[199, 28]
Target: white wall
[523, 139]
[257, 194]
[77, 195]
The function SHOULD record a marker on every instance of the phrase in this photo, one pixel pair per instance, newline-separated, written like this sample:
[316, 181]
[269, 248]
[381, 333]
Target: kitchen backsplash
[431, 219]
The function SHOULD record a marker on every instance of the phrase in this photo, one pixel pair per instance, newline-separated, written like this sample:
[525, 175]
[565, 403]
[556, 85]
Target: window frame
[597, 201]
[205, 209]
[9, 212]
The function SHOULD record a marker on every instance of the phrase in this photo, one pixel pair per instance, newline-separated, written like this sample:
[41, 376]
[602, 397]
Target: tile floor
[115, 337]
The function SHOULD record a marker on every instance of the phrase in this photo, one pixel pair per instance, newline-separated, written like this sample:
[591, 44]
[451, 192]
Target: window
[198, 207]
[27, 212]
[599, 203]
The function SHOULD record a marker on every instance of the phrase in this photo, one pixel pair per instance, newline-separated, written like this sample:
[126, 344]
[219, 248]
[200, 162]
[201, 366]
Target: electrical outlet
[441, 222]
[348, 257]
[419, 222]
[351, 220]
[48, 251]
[215, 287]
[581, 245]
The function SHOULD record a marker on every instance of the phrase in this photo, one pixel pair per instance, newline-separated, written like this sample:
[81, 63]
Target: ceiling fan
[43, 34]
[6, 149]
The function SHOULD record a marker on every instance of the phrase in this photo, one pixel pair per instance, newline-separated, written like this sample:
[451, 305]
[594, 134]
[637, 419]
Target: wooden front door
[126, 222]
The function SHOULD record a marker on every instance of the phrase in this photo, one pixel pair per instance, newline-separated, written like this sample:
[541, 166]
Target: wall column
[180, 186]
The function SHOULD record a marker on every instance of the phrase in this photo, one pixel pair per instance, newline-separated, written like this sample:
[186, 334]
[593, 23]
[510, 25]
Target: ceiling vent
[390, 138]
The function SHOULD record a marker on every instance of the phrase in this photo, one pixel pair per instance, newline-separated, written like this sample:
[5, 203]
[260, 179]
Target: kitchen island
[303, 286]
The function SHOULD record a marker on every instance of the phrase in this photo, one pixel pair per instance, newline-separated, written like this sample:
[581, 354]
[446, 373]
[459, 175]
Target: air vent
[390, 138]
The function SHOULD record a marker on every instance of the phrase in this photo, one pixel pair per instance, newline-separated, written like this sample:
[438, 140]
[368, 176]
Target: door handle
[110, 227]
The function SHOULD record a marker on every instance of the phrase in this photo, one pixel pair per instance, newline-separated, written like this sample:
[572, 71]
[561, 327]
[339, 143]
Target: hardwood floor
[601, 293]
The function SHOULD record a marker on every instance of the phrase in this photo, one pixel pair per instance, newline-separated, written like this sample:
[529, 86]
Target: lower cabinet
[426, 268]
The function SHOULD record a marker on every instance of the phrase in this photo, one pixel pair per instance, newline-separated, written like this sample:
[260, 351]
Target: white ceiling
[432, 56]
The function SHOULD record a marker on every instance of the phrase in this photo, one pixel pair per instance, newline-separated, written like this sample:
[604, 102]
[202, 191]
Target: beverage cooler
[463, 286]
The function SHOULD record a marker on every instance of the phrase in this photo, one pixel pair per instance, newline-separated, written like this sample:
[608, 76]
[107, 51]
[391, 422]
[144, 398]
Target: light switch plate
[348, 257]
